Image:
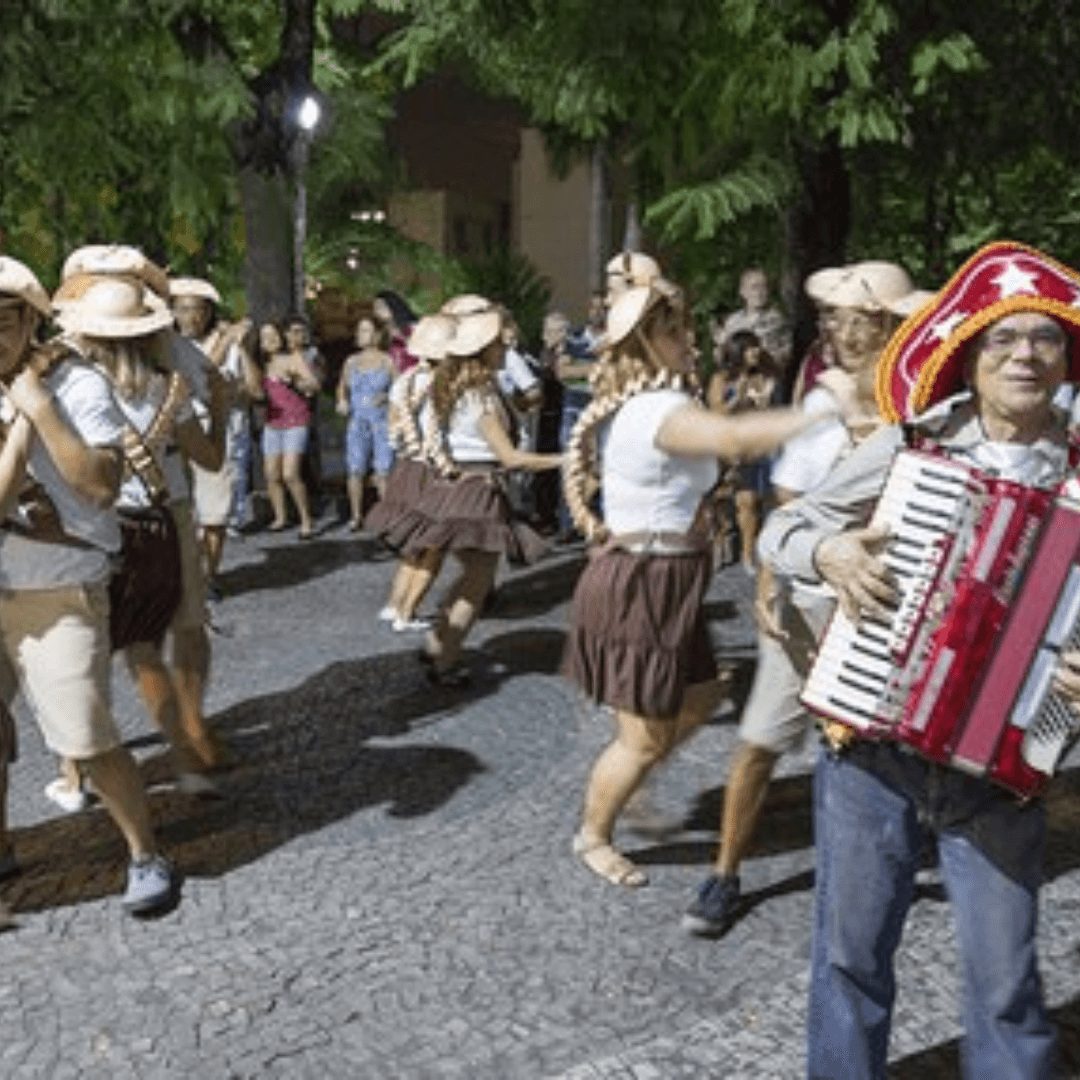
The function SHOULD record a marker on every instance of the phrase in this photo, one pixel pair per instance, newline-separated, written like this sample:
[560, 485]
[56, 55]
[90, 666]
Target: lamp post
[308, 113]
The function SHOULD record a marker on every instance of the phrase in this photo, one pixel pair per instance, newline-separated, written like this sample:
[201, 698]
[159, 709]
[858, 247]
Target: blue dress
[367, 437]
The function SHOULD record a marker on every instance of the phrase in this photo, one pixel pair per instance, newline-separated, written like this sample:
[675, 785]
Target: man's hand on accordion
[850, 563]
[1067, 678]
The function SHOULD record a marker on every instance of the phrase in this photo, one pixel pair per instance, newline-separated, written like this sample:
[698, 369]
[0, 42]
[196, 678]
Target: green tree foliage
[793, 132]
[142, 125]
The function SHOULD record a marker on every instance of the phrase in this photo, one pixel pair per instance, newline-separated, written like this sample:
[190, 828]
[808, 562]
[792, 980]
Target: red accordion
[988, 575]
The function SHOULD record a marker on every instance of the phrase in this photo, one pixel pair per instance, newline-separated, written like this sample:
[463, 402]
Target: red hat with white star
[923, 363]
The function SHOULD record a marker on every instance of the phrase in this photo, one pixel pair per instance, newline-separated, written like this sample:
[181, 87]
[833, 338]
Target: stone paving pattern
[389, 890]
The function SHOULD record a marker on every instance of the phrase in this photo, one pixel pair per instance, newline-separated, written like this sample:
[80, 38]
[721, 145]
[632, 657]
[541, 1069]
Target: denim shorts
[278, 441]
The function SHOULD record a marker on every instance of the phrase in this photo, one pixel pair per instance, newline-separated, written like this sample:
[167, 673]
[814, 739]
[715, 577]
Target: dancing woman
[396, 517]
[637, 638]
[467, 510]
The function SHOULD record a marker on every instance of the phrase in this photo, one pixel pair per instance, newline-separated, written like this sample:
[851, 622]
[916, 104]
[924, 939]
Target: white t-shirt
[84, 400]
[515, 376]
[464, 441]
[809, 457]
[646, 488]
[141, 415]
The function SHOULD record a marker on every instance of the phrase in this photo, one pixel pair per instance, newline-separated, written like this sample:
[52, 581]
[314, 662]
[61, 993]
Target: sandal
[602, 859]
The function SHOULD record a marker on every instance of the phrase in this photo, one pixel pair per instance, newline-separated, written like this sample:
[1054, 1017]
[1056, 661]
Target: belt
[658, 542]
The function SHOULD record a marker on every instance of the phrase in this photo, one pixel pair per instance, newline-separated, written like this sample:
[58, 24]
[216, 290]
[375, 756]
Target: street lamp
[307, 117]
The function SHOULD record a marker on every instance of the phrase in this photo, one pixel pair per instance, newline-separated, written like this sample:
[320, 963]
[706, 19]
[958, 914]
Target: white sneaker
[70, 800]
[400, 625]
[388, 614]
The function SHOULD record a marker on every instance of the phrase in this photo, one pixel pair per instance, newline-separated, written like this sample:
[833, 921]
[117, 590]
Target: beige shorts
[58, 644]
[192, 610]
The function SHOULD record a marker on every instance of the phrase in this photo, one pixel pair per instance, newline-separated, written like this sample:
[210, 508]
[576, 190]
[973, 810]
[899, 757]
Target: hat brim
[74, 321]
[196, 287]
[474, 332]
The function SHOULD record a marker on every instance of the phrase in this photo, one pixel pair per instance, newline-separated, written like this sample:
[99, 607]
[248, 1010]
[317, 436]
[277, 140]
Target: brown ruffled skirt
[472, 512]
[637, 634]
[395, 517]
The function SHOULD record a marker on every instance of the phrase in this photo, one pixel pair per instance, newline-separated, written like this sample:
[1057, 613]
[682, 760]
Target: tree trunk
[818, 224]
[632, 232]
[266, 200]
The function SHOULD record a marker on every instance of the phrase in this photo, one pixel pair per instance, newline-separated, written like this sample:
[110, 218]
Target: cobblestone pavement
[389, 891]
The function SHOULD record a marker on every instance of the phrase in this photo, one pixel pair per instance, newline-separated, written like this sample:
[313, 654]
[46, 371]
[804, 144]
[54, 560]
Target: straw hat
[474, 331]
[629, 308]
[923, 363]
[465, 304]
[17, 279]
[430, 337]
[193, 286]
[113, 307]
[869, 286]
[113, 260]
[635, 268]
[821, 282]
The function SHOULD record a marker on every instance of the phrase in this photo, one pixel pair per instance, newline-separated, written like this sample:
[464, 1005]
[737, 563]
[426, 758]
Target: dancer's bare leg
[275, 489]
[464, 603]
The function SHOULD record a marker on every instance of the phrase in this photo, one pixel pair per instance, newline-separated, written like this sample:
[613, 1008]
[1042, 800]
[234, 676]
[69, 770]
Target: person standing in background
[760, 317]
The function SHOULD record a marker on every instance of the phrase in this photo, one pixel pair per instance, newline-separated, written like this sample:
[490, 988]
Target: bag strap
[139, 459]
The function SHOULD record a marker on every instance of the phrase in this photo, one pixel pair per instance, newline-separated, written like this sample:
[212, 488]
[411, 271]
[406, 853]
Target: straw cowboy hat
[113, 307]
[634, 268]
[112, 260]
[430, 337]
[474, 331]
[629, 308]
[465, 304]
[17, 279]
[869, 286]
[193, 286]
[924, 361]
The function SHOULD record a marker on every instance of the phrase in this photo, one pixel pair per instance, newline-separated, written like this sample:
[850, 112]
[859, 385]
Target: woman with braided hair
[466, 511]
[396, 517]
[637, 639]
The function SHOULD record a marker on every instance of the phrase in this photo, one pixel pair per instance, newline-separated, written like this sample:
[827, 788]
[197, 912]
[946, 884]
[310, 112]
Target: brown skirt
[472, 512]
[637, 635]
[395, 516]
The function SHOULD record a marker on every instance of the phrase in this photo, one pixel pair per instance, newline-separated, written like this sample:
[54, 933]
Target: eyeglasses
[863, 322]
[1044, 341]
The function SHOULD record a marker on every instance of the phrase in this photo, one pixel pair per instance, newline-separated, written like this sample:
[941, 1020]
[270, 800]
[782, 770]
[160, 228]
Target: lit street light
[307, 118]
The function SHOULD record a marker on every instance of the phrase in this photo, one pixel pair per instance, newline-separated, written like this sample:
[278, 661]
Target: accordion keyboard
[857, 677]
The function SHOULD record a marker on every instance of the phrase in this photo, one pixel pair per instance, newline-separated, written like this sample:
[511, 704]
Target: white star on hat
[943, 328]
[1013, 281]
[1076, 298]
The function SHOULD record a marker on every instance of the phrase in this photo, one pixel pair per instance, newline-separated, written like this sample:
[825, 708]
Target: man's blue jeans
[873, 808]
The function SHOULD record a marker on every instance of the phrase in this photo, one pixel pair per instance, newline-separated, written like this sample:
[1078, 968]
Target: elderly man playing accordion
[970, 377]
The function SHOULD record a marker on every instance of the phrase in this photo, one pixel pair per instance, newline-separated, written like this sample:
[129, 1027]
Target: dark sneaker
[152, 885]
[454, 678]
[714, 910]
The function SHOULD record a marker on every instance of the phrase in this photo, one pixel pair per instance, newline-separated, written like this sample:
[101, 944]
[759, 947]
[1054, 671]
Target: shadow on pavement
[308, 756]
[292, 563]
[943, 1062]
[536, 589]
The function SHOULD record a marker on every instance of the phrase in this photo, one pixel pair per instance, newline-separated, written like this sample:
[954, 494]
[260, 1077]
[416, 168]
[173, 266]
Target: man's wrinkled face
[857, 336]
[18, 320]
[192, 315]
[1019, 363]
